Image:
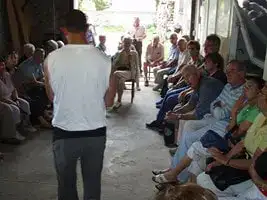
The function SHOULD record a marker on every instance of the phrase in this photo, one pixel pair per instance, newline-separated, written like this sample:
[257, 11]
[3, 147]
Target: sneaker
[146, 83]
[30, 129]
[158, 106]
[156, 88]
[19, 136]
[138, 89]
[172, 151]
[155, 126]
[117, 105]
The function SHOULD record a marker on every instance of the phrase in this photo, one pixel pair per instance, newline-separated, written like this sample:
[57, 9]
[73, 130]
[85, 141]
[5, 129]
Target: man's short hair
[156, 37]
[194, 43]
[174, 35]
[182, 40]
[215, 39]
[39, 50]
[29, 46]
[190, 68]
[76, 21]
[240, 65]
[186, 37]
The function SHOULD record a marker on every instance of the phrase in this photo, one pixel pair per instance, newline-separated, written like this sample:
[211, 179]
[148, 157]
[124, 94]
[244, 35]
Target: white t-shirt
[79, 77]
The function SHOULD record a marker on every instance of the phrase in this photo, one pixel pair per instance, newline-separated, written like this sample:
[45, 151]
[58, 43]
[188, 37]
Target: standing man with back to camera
[77, 79]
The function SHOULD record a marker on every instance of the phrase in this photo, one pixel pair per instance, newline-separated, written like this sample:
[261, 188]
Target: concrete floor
[132, 152]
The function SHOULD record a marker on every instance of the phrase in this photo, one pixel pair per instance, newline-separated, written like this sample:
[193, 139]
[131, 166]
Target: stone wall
[165, 17]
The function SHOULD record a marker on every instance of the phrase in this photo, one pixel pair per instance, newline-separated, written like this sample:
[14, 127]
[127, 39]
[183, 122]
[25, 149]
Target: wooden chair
[132, 83]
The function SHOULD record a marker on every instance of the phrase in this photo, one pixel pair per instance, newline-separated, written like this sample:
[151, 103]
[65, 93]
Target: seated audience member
[184, 58]
[102, 46]
[186, 37]
[125, 67]
[212, 44]
[29, 80]
[11, 62]
[165, 67]
[195, 58]
[243, 115]
[258, 173]
[214, 66]
[220, 110]
[9, 95]
[50, 45]
[205, 91]
[60, 44]
[154, 55]
[236, 163]
[28, 51]
[185, 192]
[9, 120]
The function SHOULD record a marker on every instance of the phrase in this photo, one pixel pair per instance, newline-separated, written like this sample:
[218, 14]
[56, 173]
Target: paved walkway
[132, 152]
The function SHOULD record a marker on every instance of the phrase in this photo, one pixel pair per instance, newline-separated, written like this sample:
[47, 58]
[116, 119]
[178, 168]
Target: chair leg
[149, 71]
[133, 91]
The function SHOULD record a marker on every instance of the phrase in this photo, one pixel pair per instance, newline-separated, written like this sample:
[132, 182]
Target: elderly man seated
[28, 51]
[169, 66]
[29, 81]
[124, 67]
[154, 55]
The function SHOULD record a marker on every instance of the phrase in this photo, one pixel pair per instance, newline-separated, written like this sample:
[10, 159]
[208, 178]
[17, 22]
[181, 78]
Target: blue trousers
[169, 102]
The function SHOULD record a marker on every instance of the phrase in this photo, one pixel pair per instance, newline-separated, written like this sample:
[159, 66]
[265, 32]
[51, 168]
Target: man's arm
[48, 87]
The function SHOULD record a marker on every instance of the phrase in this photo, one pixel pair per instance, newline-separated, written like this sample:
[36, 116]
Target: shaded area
[132, 152]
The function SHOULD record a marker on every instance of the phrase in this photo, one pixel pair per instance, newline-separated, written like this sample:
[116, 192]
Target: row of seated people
[23, 100]
[217, 122]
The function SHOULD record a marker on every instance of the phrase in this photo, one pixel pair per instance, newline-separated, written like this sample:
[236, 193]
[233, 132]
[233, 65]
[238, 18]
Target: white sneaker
[117, 105]
[30, 129]
[19, 136]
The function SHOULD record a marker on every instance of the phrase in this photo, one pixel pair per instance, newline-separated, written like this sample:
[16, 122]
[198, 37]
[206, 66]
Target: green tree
[101, 4]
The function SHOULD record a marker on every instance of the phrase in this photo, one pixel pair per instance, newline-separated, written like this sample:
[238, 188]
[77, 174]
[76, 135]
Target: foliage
[157, 3]
[101, 4]
[113, 29]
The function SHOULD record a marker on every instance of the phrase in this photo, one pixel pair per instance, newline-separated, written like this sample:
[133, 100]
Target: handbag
[169, 134]
[224, 176]
[213, 139]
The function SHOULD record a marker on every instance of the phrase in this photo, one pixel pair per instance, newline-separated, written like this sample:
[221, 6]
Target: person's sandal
[159, 171]
[160, 187]
[161, 179]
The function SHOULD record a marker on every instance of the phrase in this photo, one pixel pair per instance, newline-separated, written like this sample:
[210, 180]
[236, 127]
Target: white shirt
[139, 33]
[184, 58]
[79, 77]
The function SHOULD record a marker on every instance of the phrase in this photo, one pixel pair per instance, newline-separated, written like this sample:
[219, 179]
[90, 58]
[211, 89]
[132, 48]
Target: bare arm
[48, 87]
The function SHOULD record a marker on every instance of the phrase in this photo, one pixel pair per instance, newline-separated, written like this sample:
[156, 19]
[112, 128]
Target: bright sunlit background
[117, 20]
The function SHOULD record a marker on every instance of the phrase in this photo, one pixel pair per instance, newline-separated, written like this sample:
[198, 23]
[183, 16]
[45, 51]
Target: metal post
[265, 68]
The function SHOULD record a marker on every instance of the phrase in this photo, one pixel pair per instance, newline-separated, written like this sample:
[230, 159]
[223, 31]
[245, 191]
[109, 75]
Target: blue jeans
[169, 102]
[90, 152]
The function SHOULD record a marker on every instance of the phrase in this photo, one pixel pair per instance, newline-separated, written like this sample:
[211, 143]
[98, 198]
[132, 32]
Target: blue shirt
[209, 89]
[26, 71]
[173, 53]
